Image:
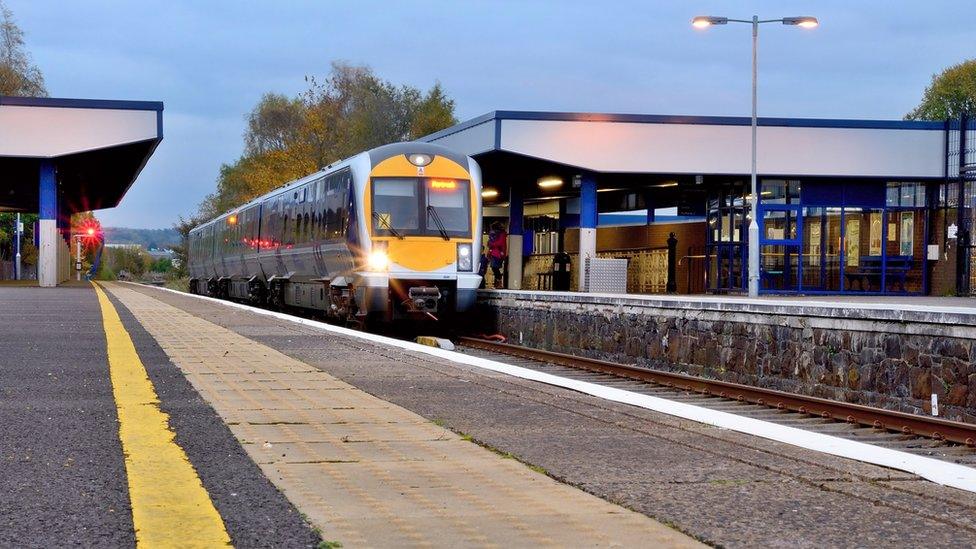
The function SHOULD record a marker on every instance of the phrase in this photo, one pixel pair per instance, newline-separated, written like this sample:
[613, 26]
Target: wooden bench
[869, 271]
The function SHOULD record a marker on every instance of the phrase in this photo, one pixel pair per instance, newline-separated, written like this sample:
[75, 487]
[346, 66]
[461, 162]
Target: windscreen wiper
[437, 219]
[389, 227]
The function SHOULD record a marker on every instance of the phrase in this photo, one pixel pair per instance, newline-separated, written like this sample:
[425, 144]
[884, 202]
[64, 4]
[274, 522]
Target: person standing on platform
[497, 252]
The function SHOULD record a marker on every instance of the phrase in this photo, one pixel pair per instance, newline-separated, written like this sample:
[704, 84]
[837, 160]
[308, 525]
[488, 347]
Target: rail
[890, 420]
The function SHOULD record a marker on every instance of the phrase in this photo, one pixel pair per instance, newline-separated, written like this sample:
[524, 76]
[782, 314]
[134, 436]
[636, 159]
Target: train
[390, 234]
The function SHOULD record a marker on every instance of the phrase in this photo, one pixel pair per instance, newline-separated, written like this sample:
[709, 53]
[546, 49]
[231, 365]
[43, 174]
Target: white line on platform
[941, 472]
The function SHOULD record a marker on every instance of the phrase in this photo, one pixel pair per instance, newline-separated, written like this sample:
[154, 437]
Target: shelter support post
[515, 213]
[649, 203]
[589, 215]
[49, 243]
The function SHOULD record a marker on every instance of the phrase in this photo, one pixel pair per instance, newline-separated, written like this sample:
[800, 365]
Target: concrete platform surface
[63, 470]
[726, 488]
[368, 472]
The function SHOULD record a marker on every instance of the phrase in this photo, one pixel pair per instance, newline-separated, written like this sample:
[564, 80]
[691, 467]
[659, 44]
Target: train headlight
[420, 159]
[378, 260]
[465, 259]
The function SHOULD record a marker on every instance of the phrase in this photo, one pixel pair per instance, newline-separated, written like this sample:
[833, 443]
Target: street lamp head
[804, 21]
[703, 21]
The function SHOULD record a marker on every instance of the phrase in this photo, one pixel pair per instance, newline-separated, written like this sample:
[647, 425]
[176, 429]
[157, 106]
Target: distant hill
[148, 238]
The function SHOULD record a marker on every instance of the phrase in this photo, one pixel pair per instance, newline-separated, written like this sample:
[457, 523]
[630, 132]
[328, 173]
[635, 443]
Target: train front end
[422, 215]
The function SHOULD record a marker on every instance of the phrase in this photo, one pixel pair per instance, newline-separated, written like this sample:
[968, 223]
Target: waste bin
[560, 272]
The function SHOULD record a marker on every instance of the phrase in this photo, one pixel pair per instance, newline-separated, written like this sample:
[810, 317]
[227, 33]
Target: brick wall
[689, 234]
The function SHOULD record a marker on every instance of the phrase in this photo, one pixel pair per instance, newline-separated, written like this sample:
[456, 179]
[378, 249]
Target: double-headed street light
[705, 21]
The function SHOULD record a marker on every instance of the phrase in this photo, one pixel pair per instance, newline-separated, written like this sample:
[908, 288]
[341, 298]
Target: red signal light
[90, 231]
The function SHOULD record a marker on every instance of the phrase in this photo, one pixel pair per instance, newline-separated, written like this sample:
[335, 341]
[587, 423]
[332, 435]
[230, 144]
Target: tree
[350, 111]
[434, 113]
[161, 265]
[274, 124]
[18, 74]
[131, 259]
[8, 230]
[951, 93]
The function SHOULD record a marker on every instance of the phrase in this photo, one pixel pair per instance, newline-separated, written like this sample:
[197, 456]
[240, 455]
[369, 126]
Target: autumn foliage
[352, 110]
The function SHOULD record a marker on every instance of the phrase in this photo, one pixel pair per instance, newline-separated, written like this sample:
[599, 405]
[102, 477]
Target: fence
[28, 272]
[647, 269]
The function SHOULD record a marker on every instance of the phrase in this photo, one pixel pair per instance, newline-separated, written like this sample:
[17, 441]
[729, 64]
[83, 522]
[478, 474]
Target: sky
[210, 61]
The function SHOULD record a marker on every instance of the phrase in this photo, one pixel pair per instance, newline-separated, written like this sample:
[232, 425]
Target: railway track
[927, 436]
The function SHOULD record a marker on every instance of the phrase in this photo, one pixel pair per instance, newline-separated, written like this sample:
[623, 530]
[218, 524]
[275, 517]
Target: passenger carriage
[391, 233]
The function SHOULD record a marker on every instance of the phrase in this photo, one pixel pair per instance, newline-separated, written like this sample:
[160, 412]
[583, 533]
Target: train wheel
[276, 298]
[257, 293]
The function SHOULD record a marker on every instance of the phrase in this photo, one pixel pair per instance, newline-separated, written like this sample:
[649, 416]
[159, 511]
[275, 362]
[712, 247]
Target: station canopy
[665, 156]
[99, 147]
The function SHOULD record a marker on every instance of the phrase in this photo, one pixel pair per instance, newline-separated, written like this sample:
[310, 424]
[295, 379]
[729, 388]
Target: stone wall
[875, 355]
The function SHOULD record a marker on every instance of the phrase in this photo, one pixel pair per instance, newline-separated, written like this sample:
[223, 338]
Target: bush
[181, 284]
[106, 273]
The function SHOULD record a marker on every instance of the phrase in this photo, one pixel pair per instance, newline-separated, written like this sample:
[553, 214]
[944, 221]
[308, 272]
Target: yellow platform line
[170, 506]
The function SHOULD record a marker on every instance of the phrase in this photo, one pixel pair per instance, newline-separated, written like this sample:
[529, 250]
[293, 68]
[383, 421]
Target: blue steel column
[47, 256]
[649, 204]
[589, 216]
[515, 214]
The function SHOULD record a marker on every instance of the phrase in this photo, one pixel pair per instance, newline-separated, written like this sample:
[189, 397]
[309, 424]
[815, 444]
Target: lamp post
[78, 238]
[705, 21]
[19, 232]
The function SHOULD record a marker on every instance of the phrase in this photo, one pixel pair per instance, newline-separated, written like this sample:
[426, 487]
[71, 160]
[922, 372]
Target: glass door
[780, 239]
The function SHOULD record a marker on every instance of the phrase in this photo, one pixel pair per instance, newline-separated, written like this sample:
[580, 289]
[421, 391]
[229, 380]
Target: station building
[845, 206]
[63, 156]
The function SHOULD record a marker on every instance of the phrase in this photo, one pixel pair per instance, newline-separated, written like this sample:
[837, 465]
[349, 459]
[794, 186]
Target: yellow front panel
[420, 253]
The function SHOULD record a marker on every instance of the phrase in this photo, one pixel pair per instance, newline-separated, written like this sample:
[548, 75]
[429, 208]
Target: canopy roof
[99, 148]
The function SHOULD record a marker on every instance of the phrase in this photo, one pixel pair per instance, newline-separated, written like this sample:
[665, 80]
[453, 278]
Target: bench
[868, 272]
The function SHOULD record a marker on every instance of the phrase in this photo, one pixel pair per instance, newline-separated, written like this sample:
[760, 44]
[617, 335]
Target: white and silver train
[391, 233]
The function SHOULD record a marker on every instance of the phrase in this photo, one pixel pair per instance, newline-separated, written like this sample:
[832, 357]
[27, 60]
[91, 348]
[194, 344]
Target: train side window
[342, 212]
[330, 205]
[296, 228]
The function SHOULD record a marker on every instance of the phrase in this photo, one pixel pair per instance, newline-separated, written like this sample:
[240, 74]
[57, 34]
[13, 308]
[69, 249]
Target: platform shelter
[63, 156]
[845, 206]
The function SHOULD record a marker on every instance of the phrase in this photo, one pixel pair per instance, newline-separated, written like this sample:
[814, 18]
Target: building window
[780, 191]
[905, 194]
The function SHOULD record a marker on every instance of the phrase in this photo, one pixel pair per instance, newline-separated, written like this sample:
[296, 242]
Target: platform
[722, 487]
[294, 434]
[282, 452]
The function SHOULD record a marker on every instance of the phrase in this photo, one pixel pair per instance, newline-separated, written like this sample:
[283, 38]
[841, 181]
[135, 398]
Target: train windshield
[421, 207]
[395, 206]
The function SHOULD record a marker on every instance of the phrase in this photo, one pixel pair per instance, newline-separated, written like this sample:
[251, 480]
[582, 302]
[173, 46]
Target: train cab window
[395, 205]
[448, 202]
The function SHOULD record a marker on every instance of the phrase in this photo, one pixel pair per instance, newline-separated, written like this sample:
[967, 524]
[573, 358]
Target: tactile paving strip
[370, 473]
